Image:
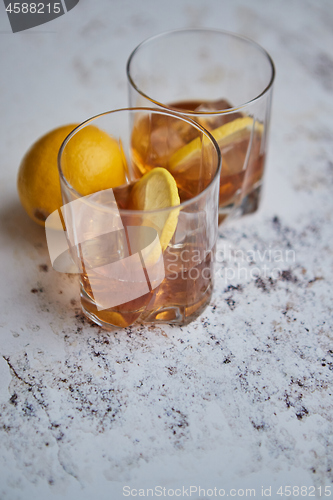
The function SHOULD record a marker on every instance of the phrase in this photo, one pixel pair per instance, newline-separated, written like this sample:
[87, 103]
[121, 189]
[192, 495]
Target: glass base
[251, 201]
[175, 314]
[249, 205]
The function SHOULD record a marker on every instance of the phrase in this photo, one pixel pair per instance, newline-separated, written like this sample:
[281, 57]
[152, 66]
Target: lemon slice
[156, 190]
[225, 134]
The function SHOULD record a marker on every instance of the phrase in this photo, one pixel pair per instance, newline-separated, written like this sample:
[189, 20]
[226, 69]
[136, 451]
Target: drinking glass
[147, 266]
[223, 81]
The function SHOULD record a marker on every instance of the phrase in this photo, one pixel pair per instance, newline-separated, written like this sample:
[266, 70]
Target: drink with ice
[175, 275]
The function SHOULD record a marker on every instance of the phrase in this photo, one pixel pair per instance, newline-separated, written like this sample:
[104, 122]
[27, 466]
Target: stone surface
[242, 397]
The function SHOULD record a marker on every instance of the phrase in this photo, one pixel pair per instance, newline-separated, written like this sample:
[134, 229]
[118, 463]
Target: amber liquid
[242, 160]
[188, 283]
[187, 287]
[180, 298]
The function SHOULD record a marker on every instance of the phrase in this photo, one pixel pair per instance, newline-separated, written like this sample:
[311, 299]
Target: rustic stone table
[242, 397]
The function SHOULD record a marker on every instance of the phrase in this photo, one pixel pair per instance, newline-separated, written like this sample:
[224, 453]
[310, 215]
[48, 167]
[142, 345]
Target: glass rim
[138, 109]
[202, 30]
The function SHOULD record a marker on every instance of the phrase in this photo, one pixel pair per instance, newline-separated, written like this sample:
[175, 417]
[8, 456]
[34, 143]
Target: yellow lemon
[224, 135]
[158, 190]
[93, 161]
[38, 178]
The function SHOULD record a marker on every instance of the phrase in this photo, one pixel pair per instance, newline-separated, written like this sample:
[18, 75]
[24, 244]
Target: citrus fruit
[38, 179]
[93, 161]
[156, 190]
[224, 135]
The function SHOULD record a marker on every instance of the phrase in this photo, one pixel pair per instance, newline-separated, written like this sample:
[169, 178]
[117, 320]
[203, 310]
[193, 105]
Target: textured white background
[241, 397]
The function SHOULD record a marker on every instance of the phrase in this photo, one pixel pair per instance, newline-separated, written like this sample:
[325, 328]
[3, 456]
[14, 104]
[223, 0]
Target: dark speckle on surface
[287, 275]
[302, 413]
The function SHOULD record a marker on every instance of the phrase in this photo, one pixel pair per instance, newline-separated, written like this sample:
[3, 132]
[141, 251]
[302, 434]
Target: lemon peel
[155, 191]
[224, 135]
[93, 161]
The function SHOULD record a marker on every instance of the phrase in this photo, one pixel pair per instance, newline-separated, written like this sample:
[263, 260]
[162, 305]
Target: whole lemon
[93, 161]
[38, 178]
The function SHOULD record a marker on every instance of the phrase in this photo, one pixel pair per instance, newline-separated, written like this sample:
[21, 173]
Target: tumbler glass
[146, 266]
[223, 81]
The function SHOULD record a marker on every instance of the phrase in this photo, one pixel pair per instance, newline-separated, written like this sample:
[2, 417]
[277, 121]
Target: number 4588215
[34, 8]
[304, 491]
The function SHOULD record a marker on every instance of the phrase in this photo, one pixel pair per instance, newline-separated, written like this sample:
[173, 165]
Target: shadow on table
[23, 244]
[18, 228]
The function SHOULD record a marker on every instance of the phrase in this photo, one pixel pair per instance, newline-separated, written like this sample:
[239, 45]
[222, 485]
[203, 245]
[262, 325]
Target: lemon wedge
[224, 135]
[156, 190]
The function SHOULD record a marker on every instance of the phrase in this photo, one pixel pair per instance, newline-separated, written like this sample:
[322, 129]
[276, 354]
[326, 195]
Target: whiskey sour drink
[224, 82]
[145, 249]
